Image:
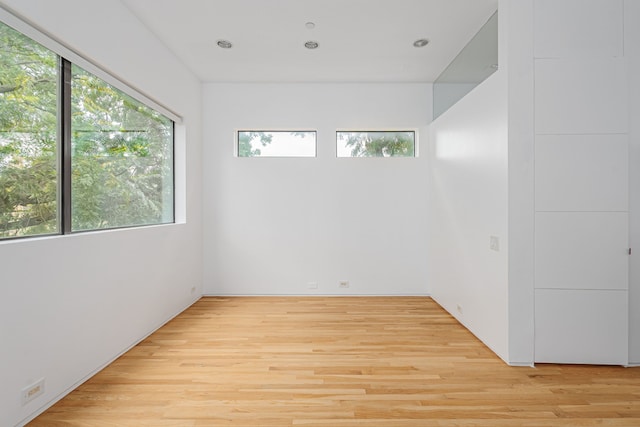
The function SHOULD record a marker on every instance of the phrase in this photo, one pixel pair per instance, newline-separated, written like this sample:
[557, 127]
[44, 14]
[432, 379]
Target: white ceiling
[360, 40]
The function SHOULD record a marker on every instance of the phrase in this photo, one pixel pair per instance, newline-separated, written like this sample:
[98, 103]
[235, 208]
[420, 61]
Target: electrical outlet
[459, 308]
[193, 289]
[312, 285]
[343, 284]
[494, 243]
[31, 392]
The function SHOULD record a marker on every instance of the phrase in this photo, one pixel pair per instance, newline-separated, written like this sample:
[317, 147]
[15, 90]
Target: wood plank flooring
[331, 362]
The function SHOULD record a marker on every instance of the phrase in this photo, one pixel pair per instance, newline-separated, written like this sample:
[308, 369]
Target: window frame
[66, 59]
[68, 147]
[414, 131]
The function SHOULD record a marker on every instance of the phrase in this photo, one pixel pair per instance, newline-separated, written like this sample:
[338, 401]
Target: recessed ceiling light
[421, 42]
[311, 44]
[225, 44]
[310, 25]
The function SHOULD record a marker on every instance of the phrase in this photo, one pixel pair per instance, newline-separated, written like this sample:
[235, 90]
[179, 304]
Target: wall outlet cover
[32, 391]
[494, 243]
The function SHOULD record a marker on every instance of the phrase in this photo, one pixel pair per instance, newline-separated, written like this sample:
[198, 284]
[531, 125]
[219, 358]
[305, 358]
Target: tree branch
[6, 88]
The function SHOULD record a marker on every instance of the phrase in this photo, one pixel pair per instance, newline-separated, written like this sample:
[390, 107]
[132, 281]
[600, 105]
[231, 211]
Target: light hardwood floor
[334, 362]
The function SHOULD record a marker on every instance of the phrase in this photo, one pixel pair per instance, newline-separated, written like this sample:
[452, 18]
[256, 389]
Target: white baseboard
[315, 295]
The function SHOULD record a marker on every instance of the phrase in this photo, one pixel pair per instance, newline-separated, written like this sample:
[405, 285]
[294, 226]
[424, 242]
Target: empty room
[319, 213]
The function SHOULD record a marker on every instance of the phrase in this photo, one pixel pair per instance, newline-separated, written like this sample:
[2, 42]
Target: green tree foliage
[28, 136]
[251, 142]
[246, 141]
[122, 151]
[379, 144]
[359, 144]
[122, 158]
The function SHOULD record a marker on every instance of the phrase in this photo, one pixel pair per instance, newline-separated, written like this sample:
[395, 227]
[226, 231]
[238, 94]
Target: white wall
[568, 180]
[632, 53]
[69, 305]
[581, 182]
[272, 225]
[517, 27]
[468, 204]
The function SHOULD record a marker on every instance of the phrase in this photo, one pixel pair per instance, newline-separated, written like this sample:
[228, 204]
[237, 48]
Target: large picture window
[79, 156]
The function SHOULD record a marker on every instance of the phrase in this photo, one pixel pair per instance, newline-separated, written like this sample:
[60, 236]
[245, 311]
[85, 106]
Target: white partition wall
[468, 208]
[632, 56]
[581, 182]
[468, 242]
